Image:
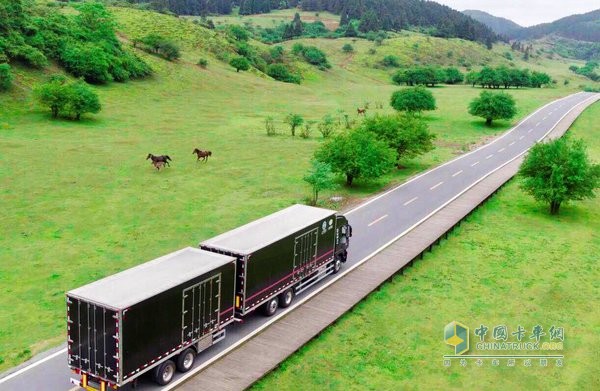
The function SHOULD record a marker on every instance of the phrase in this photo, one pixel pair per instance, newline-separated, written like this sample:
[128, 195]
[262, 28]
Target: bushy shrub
[270, 126]
[327, 126]
[203, 63]
[281, 73]
[312, 55]
[347, 48]
[6, 77]
[84, 43]
[390, 61]
[88, 61]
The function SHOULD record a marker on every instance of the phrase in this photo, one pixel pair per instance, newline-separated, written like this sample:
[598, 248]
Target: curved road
[375, 223]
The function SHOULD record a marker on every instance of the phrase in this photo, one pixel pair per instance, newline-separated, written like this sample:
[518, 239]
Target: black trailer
[157, 315]
[282, 254]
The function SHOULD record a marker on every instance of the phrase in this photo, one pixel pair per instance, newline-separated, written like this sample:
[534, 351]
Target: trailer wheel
[185, 360]
[163, 374]
[270, 307]
[337, 265]
[285, 299]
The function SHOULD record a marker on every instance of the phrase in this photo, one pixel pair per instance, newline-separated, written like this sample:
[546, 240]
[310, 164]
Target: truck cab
[343, 235]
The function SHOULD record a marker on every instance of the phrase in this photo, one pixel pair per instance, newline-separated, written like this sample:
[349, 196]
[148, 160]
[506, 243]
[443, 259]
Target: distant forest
[373, 15]
[584, 27]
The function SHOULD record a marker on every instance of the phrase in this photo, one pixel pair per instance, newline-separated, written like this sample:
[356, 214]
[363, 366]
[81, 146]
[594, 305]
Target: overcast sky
[526, 12]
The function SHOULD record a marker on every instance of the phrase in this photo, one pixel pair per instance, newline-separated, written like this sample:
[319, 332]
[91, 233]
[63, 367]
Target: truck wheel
[286, 298]
[337, 265]
[185, 360]
[270, 307]
[163, 374]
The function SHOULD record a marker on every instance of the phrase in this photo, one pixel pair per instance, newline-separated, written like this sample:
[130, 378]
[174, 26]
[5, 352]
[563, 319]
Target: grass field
[511, 264]
[79, 201]
[275, 17]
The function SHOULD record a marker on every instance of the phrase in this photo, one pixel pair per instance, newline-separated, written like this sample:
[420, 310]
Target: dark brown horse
[202, 154]
[162, 158]
[360, 111]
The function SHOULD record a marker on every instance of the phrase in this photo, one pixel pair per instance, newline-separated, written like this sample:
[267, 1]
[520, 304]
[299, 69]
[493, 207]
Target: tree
[493, 106]
[53, 94]
[240, 63]
[454, 76]
[539, 78]
[81, 99]
[407, 134]
[413, 100]
[320, 177]
[297, 25]
[347, 48]
[161, 46]
[559, 171]
[294, 120]
[68, 99]
[357, 154]
[6, 77]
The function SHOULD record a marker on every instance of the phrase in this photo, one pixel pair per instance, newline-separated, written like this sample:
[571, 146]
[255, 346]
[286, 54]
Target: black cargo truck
[282, 254]
[159, 315]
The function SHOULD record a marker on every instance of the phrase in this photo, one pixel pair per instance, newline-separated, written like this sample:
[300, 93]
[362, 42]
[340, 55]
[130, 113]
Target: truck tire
[163, 374]
[337, 265]
[286, 298]
[185, 360]
[270, 307]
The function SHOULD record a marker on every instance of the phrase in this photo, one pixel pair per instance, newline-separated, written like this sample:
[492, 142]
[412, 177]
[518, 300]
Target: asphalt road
[375, 223]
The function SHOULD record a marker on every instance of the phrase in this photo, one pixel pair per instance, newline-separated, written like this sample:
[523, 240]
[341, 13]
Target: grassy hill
[80, 202]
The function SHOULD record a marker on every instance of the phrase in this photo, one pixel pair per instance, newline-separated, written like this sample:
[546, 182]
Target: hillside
[498, 24]
[584, 27]
[81, 202]
[367, 15]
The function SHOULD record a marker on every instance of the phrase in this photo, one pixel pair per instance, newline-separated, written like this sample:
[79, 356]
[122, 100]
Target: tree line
[428, 76]
[502, 76]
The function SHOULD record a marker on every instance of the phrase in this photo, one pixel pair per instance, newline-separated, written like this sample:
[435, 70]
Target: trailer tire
[286, 298]
[185, 360]
[270, 307]
[163, 374]
[337, 265]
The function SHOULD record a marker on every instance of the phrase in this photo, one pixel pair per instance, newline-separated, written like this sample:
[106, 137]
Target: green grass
[79, 201]
[511, 264]
[274, 18]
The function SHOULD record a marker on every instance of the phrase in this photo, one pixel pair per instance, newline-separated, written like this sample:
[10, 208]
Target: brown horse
[360, 111]
[158, 164]
[202, 154]
[162, 158]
